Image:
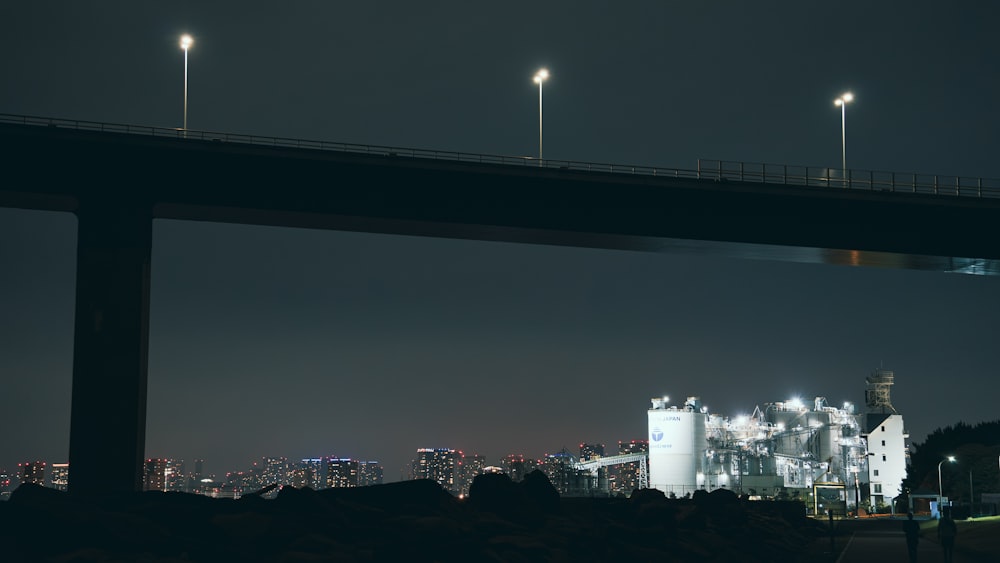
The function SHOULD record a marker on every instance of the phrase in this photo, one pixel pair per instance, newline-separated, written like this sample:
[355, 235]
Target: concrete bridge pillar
[108, 420]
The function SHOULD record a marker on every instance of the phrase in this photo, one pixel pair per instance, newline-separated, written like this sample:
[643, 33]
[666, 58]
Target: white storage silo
[677, 447]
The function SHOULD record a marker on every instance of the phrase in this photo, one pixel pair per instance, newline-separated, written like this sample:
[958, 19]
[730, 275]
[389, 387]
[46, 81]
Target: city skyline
[283, 340]
[780, 450]
[250, 464]
[453, 469]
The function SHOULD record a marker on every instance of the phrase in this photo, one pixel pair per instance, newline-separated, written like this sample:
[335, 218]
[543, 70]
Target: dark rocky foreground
[410, 521]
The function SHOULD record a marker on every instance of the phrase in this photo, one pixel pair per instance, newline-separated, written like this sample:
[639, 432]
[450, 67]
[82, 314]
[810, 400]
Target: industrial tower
[877, 392]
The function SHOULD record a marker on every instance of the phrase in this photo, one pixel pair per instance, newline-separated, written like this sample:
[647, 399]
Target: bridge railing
[871, 180]
[382, 150]
[717, 170]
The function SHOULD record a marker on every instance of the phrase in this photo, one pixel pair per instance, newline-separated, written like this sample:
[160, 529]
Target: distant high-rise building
[591, 451]
[341, 472]
[4, 484]
[471, 466]
[369, 473]
[174, 478]
[196, 478]
[155, 474]
[164, 474]
[60, 476]
[275, 470]
[633, 447]
[255, 478]
[558, 467]
[625, 478]
[516, 466]
[31, 472]
[239, 483]
[440, 465]
[308, 473]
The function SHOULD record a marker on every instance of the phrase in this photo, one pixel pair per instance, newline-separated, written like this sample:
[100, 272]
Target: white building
[677, 446]
[888, 454]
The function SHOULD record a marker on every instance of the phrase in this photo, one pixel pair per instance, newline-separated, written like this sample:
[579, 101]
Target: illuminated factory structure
[791, 449]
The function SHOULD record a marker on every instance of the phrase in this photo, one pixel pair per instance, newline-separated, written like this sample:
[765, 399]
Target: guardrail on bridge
[717, 170]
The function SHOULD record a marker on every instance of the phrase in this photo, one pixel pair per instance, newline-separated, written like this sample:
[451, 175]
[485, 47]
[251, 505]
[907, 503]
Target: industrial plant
[831, 457]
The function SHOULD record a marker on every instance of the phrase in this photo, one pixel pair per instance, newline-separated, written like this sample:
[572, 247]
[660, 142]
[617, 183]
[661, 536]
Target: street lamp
[186, 42]
[950, 458]
[842, 102]
[857, 484]
[857, 491]
[540, 77]
[972, 497]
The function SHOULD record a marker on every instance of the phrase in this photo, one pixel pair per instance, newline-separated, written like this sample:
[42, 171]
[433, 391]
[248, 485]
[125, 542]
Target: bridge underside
[117, 184]
[725, 249]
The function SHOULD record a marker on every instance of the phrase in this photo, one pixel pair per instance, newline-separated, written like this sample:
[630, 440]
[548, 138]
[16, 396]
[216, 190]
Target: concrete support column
[107, 437]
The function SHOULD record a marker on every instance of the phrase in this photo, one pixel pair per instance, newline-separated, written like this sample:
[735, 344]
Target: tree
[976, 449]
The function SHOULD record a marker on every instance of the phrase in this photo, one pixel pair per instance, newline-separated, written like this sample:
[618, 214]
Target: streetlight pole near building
[972, 497]
[842, 102]
[857, 483]
[950, 458]
[857, 492]
[540, 77]
[186, 42]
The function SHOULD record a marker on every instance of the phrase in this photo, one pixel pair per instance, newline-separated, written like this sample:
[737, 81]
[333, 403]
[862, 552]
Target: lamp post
[857, 485]
[950, 458]
[540, 77]
[861, 460]
[186, 42]
[972, 497]
[857, 492]
[842, 102]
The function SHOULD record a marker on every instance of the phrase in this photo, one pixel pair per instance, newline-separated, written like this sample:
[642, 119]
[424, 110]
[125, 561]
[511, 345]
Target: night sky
[300, 343]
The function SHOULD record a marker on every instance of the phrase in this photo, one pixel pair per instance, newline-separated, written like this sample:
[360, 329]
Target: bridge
[117, 178]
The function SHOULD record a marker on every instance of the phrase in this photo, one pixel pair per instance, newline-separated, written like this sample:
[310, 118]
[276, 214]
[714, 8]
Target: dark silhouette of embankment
[409, 521]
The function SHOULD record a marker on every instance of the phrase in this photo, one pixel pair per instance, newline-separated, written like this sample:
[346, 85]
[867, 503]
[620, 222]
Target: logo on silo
[656, 434]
